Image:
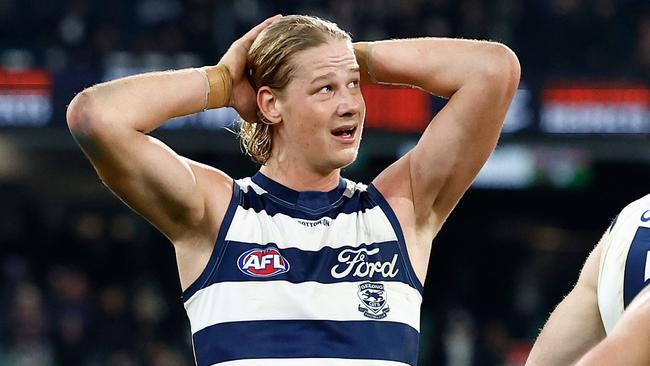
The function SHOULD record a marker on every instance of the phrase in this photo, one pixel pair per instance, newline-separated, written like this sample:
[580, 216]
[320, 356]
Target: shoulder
[622, 272]
[210, 176]
[635, 213]
[621, 233]
[216, 187]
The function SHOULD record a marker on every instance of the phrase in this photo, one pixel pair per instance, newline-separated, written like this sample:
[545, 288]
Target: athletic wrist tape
[362, 52]
[220, 86]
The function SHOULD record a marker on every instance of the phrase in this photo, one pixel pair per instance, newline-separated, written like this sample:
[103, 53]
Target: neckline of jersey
[308, 199]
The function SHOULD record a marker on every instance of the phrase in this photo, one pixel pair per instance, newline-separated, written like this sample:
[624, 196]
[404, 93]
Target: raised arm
[575, 325]
[480, 79]
[110, 121]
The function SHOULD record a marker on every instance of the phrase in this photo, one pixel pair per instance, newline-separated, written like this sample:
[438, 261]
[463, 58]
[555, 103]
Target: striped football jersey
[625, 261]
[306, 278]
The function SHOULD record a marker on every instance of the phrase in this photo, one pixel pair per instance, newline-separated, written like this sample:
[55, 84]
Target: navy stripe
[273, 205]
[306, 339]
[374, 194]
[635, 265]
[312, 265]
[219, 247]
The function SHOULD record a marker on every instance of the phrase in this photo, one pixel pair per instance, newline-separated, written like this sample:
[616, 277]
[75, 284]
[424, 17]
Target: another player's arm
[479, 79]
[629, 343]
[575, 325]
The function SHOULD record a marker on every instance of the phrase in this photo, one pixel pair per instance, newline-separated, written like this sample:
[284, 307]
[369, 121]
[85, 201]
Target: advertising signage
[25, 97]
[559, 107]
[584, 108]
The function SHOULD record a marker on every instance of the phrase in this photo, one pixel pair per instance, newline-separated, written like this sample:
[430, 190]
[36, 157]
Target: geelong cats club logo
[262, 263]
[373, 300]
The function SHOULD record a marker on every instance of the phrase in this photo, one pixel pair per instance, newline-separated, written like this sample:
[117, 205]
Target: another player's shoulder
[640, 205]
[635, 213]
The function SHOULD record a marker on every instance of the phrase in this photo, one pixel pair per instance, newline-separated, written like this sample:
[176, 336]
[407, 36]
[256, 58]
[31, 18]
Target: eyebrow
[331, 74]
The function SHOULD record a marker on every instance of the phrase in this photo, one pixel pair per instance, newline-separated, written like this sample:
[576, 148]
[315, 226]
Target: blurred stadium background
[83, 281]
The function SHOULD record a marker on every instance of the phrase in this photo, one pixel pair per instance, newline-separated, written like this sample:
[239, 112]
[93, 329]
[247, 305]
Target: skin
[186, 200]
[629, 343]
[575, 326]
[325, 93]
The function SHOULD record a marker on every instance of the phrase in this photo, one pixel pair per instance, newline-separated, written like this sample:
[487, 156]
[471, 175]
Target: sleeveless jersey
[306, 278]
[625, 261]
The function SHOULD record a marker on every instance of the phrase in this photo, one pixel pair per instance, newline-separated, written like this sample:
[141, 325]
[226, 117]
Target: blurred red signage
[25, 97]
[24, 81]
[396, 108]
[595, 107]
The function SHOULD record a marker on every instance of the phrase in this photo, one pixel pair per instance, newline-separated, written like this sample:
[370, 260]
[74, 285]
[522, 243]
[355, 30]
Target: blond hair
[269, 64]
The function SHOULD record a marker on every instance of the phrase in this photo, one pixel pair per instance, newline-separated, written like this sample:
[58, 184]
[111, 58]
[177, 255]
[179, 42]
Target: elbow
[501, 68]
[82, 113]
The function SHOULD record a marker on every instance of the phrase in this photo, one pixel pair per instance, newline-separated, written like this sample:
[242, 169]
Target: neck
[299, 178]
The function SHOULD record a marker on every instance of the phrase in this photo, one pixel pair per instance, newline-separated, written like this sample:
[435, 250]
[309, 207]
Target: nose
[350, 102]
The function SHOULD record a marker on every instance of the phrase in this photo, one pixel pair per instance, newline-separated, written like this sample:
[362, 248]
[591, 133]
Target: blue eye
[325, 89]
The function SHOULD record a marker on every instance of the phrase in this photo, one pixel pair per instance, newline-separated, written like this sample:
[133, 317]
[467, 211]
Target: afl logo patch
[262, 263]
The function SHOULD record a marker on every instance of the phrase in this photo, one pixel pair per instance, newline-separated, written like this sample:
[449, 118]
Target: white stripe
[247, 183]
[310, 362]
[250, 301]
[370, 226]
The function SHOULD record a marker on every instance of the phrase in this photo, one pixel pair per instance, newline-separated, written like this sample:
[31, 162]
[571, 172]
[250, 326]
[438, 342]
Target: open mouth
[345, 131]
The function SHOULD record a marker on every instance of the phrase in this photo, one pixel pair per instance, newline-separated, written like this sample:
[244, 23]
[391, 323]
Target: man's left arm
[480, 79]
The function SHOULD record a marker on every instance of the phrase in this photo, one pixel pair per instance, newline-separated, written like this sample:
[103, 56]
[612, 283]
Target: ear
[269, 105]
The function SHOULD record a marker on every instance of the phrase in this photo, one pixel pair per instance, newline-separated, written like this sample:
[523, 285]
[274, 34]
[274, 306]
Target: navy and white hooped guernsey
[624, 261]
[306, 278]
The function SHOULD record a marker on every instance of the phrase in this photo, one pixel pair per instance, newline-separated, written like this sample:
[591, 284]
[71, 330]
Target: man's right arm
[183, 199]
[575, 325]
[110, 122]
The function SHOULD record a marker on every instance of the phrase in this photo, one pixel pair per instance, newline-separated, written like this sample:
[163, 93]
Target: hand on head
[243, 97]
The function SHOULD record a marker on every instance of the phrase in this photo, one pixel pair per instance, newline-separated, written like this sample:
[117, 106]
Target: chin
[344, 158]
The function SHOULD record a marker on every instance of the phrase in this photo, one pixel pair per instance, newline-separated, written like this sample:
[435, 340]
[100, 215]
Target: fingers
[258, 28]
[250, 36]
[235, 57]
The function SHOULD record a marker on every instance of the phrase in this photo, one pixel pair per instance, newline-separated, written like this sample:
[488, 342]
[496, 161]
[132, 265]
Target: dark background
[86, 282]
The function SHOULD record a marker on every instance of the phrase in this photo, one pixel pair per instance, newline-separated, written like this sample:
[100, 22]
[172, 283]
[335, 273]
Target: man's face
[322, 109]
